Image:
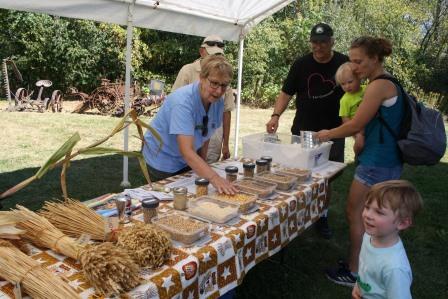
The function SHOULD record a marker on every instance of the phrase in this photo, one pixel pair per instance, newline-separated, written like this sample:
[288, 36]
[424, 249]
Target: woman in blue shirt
[186, 121]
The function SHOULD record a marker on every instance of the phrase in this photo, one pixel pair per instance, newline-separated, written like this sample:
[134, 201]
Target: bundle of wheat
[40, 231]
[74, 219]
[107, 268]
[8, 230]
[148, 246]
[36, 281]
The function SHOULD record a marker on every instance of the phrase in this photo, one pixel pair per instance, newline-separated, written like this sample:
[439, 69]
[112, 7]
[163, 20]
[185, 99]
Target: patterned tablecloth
[216, 263]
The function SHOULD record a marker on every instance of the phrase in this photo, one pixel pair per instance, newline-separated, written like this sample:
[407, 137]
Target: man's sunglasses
[214, 44]
[205, 126]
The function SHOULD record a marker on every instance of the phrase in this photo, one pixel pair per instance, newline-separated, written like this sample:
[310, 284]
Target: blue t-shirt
[384, 272]
[386, 154]
[182, 113]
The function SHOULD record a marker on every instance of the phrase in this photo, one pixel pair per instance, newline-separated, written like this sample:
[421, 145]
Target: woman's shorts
[371, 175]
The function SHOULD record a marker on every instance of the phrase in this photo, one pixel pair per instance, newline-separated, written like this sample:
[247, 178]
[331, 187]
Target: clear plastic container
[260, 188]
[284, 182]
[211, 209]
[181, 228]
[303, 175]
[244, 200]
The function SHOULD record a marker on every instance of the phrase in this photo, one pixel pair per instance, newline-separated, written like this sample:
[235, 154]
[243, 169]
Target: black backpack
[422, 138]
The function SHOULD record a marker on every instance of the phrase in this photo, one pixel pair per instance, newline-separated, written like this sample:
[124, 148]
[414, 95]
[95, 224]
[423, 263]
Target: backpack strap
[380, 117]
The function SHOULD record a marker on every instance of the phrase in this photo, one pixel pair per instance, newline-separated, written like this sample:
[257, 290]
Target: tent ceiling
[228, 18]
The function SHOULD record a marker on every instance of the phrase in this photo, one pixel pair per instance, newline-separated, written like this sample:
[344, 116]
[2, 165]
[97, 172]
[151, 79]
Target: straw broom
[108, 268]
[36, 281]
[74, 219]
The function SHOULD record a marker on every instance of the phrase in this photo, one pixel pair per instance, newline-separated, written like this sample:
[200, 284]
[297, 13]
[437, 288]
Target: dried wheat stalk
[148, 246]
[118, 270]
[74, 219]
[36, 281]
[109, 268]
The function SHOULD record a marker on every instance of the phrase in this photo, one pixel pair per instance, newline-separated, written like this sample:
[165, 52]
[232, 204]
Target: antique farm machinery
[23, 100]
[108, 99]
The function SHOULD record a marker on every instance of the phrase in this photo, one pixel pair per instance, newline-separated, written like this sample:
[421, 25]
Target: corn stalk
[64, 155]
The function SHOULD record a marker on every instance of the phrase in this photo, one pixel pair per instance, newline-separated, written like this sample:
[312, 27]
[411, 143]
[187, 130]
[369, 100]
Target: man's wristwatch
[275, 114]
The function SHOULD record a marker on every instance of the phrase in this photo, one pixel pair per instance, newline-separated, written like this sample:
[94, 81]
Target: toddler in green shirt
[350, 101]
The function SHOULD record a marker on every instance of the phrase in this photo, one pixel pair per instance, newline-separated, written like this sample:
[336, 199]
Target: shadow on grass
[86, 179]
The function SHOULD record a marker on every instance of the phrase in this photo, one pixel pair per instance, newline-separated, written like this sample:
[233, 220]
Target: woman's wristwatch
[275, 114]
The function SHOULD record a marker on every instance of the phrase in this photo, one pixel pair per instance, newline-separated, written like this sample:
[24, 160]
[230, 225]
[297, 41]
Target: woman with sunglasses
[186, 121]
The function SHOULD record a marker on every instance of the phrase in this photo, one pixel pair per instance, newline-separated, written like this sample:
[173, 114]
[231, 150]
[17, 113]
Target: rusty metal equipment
[22, 98]
[108, 99]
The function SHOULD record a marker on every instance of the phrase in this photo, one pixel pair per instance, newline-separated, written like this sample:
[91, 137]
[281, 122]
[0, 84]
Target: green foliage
[78, 53]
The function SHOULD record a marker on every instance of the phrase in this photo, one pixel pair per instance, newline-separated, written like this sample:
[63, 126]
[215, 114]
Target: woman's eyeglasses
[215, 85]
[214, 44]
[205, 126]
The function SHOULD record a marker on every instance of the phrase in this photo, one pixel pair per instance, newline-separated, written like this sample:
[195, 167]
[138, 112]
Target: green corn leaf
[61, 152]
[108, 150]
[144, 168]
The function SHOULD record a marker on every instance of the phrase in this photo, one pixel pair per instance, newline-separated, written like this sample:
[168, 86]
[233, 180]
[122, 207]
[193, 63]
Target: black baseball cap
[321, 33]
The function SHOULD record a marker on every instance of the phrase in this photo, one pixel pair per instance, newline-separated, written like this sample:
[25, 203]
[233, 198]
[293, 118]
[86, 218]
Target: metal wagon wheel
[56, 101]
[105, 100]
[21, 99]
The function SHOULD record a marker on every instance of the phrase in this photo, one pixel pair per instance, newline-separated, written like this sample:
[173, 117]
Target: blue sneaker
[341, 275]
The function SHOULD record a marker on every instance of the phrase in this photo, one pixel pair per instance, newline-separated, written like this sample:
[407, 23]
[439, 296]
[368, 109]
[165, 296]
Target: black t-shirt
[317, 95]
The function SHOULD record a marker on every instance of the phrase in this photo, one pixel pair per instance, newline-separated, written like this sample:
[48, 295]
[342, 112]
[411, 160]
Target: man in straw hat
[189, 73]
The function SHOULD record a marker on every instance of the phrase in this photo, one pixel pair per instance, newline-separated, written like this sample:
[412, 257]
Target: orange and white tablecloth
[217, 263]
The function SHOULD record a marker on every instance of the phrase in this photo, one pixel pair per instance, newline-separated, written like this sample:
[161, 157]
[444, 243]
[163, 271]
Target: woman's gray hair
[216, 64]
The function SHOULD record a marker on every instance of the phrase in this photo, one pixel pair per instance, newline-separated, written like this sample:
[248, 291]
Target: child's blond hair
[347, 66]
[400, 195]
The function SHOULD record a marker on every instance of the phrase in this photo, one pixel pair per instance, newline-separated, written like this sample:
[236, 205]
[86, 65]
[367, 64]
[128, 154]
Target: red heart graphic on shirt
[319, 87]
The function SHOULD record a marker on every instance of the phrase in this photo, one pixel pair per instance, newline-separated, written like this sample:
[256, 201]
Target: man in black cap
[312, 79]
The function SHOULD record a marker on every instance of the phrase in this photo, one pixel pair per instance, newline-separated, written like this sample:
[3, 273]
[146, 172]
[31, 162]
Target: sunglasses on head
[205, 126]
[214, 44]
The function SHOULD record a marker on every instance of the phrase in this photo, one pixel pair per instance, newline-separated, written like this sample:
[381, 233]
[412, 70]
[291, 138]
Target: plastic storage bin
[285, 150]
[284, 182]
[245, 201]
[212, 209]
[262, 189]
[181, 228]
[303, 175]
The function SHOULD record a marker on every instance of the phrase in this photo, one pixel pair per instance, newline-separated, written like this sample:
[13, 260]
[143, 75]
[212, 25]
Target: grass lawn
[29, 138]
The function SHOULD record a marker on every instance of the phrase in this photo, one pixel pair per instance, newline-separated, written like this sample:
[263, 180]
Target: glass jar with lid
[249, 169]
[269, 159]
[201, 186]
[262, 165]
[149, 208]
[231, 173]
[180, 198]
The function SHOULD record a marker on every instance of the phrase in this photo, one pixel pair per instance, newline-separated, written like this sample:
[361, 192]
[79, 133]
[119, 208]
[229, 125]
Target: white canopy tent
[231, 19]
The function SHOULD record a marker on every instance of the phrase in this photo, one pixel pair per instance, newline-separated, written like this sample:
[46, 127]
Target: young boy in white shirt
[384, 270]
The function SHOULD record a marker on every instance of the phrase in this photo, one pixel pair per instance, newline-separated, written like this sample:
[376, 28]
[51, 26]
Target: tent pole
[125, 182]
[238, 95]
